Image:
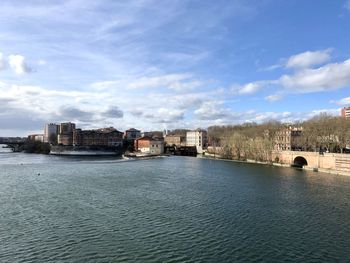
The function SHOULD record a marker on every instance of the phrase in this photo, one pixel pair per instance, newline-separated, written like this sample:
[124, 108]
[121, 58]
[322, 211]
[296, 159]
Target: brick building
[65, 135]
[288, 138]
[101, 137]
[345, 112]
[149, 145]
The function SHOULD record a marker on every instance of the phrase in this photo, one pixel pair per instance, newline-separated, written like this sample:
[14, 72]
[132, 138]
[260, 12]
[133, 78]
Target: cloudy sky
[172, 63]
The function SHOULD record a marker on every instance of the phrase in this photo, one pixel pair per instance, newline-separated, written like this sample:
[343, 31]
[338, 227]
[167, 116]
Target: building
[288, 139]
[197, 138]
[132, 134]
[177, 140]
[101, 137]
[65, 135]
[345, 112]
[36, 137]
[66, 127]
[50, 132]
[148, 145]
[152, 134]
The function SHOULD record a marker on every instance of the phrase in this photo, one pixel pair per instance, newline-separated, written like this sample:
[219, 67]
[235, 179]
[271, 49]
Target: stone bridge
[314, 160]
[15, 145]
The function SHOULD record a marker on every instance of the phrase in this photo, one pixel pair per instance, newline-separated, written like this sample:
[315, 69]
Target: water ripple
[171, 210]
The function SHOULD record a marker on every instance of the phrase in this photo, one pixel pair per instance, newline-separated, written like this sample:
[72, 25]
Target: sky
[169, 64]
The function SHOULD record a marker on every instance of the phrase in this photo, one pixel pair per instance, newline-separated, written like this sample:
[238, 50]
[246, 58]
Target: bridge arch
[299, 161]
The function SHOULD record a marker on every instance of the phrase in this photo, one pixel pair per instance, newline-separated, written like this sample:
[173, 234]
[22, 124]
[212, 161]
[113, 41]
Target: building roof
[148, 138]
[132, 130]
[175, 135]
[144, 138]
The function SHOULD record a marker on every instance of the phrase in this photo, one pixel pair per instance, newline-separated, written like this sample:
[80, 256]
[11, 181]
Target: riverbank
[250, 161]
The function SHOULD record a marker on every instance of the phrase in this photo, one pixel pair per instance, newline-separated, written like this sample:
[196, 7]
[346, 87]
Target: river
[171, 209]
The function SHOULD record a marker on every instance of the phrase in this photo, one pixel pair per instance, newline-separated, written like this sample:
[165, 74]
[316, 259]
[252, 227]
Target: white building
[148, 145]
[51, 132]
[197, 138]
[36, 137]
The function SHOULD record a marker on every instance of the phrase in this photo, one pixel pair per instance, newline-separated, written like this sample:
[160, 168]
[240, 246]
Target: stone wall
[329, 161]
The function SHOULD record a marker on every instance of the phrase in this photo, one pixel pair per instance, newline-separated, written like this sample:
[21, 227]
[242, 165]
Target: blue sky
[171, 64]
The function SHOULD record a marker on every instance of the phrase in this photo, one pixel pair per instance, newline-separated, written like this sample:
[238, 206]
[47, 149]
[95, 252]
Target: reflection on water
[4, 149]
[176, 209]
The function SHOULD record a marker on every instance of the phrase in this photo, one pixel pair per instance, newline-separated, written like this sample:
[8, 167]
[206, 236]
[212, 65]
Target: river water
[171, 209]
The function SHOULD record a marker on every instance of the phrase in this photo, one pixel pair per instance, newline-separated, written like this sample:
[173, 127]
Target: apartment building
[100, 137]
[197, 138]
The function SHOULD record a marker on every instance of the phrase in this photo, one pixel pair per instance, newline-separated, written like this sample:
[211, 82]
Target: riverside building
[288, 138]
[197, 138]
[148, 145]
[132, 134]
[174, 139]
[50, 132]
[65, 136]
[100, 137]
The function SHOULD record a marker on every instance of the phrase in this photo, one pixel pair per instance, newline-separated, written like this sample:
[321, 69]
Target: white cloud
[18, 64]
[165, 81]
[99, 108]
[41, 62]
[308, 59]
[343, 101]
[249, 88]
[176, 82]
[329, 77]
[165, 115]
[272, 67]
[347, 5]
[212, 110]
[214, 113]
[2, 62]
[274, 97]
[260, 117]
[103, 85]
[112, 108]
[185, 86]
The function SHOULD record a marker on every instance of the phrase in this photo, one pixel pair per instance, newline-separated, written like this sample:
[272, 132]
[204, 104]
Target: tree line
[323, 133]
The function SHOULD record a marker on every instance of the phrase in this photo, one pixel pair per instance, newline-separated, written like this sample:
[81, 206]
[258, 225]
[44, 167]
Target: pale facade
[288, 138]
[36, 137]
[177, 140]
[197, 138]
